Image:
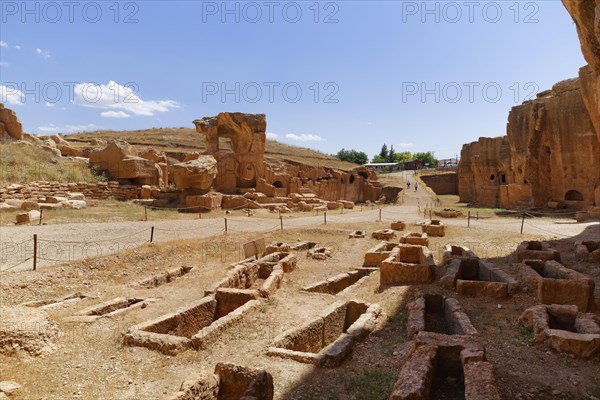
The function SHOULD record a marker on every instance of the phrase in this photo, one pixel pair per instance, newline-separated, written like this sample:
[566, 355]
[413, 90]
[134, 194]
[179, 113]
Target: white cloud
[67, 128]
[118, 97]
[45, 54]
[3, 43]
[3, 64]
[369, 123]
[11, 96]
[405, 145]
[114, 114]
[271, 135]
[17, 47]
[304, 137]
[49, 105]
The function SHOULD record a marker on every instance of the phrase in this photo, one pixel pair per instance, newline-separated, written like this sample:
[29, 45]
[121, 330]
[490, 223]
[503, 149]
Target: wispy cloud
[49, 105]
[4, 64]
[271, 135]
[114, 96]
[3, 43]
[45, 54]
[405, 145]
[304, 137]
[11, 96]
[114, 114]
[17, 47]
[51, 128]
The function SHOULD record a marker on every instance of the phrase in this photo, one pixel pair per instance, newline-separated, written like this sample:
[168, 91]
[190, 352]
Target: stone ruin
[341, 282]
[446, 368]
[398, 225]
[407, 265]
[319, 253]
[357, 234]
[562, 328]
[10, 127]
[227, 382]
[553, 283]
[438, 314]
[28, 331]
[448, 213]
[328, 339]
[534, 250]
[375, 255]
[551, 152]
[471, 276]
[434, 228]
[196, 325]
[109, 308]
[451, 252]
[383, 234]
[588, 250]
[419, 239]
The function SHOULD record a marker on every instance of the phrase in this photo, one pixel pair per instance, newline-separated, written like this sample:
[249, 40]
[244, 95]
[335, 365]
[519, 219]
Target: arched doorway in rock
[278, 184]
[352, 179]
[573, 195]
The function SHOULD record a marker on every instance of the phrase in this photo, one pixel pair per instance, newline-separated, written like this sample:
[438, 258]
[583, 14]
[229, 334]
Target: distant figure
[408, 185]
[416, 186]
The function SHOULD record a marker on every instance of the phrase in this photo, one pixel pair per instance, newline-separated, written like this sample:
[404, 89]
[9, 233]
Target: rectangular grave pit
[196, 325]
[340, 282]
[563, 328]
[536, 250]
[438, 314]
[475, 277]
[165, 277]
[437, 372]
[109, 308]
[375, 255]
[453, 251]
[419, 239]
[328, 339]
[407, 265]
[434, 228]
[556, 284]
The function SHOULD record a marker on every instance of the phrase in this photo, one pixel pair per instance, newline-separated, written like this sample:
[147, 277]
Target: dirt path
[75, 241]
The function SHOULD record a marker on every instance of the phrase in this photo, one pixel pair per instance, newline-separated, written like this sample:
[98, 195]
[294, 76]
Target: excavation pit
[434, 228]
[319, 253]
[535, 250]
[438, 314]
[328, 339]
[197, 325]
[474, 277]
[398, 225]
[383, 234]
[340, 282]
[452, 252]
[52, 303]
[357, 234]
[407, 265]
[227, 382]
[276, 247]
[165, 277]
[375, 255]
[445, 372]
[556, 284]
[562, 328]
[419, 239]
[588, 250]
[109, 308]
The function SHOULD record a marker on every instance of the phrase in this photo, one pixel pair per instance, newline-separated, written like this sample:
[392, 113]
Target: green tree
[426, 158]
[391, 155]
[353, 156]
[378, 159]
[384, 152]
[403, 156]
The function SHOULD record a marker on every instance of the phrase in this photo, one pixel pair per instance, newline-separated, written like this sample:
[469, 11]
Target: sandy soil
[90, 360]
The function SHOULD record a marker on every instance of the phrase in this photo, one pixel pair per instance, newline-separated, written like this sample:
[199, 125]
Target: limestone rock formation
[65, 147]
[9, 124]
[195, 174]
[552, 149]
[241, 167]
[119, 160]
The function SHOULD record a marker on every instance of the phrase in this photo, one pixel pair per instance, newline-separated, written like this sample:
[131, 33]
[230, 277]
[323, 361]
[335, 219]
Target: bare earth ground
[91, 362]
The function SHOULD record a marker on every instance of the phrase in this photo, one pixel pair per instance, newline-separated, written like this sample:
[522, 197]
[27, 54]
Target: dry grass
[21, 162]
[186, 140]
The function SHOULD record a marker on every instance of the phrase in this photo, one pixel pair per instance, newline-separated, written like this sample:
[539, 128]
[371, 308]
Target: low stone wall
[40, 190]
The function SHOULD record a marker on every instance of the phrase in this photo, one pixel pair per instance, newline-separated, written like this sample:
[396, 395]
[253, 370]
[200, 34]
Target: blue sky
[423, 76]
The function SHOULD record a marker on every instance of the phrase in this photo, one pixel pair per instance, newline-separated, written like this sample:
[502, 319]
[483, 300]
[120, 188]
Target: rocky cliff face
[552, 148]
[10, 127]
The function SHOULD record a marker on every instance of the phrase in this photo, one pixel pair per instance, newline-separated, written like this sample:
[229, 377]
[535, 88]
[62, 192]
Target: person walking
[416, 186]
[408, 184]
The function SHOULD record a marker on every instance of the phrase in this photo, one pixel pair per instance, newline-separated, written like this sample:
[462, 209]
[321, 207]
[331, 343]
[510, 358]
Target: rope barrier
[94, 241]
[17, 264]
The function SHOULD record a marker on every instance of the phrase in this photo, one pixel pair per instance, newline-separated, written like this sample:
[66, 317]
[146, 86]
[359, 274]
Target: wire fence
[38, 249]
